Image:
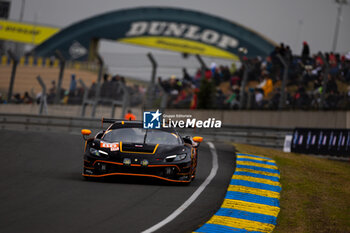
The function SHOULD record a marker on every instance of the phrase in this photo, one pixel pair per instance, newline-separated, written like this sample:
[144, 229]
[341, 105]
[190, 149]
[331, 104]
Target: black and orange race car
[127, 149]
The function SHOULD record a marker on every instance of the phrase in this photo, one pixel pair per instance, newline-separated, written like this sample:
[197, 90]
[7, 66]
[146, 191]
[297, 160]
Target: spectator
[65, 97]
[27, 99]
[266, 84]
[208, 74]
[301, 98]
[233, 99]
[220, 99]
[213, 67]
[52, 92]
[259, 98]
[129, 116]
[92, 90]
[305, 54]
[274, 101]
[17, 99]
[288, 53]
[105, 87]
[53, 88]
[73, 85]
[331, 101]
[331, 85]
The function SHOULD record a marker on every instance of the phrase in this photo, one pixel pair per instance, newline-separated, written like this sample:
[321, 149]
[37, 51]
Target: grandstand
[26, 78]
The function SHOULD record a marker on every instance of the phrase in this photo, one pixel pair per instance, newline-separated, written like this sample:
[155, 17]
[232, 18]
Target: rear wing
[112, 121]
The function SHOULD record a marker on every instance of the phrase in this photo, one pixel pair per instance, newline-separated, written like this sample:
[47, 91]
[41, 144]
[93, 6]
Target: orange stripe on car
[132, 174]
[136, 165]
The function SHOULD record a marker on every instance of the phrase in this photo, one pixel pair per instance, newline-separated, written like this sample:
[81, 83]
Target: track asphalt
[42, 190]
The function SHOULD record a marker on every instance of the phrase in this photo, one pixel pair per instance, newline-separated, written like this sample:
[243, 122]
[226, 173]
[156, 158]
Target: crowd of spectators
[219, 87]
[112, 89]
[320, 81]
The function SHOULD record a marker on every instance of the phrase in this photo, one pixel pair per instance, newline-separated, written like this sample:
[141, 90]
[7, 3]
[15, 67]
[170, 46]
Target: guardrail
[261, 136]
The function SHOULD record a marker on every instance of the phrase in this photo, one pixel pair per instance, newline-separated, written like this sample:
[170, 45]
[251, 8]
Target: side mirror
[197, 139]
[85, 132]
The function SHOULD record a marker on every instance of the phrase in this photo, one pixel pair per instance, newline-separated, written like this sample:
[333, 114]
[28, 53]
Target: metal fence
[261, 136]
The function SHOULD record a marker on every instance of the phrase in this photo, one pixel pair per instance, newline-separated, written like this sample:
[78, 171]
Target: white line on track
[194, 196]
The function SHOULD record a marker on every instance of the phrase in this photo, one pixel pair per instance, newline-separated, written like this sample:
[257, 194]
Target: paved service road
[42, 190]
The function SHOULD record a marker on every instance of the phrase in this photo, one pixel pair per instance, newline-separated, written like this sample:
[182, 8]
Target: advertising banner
[321, 141]
[25, 32]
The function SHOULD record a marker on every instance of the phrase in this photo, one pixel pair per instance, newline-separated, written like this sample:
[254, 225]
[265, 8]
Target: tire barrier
[251, 203]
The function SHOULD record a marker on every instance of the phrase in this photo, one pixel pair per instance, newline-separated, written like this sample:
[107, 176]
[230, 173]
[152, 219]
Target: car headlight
[95, 152]
[172, 158]
[99, 153]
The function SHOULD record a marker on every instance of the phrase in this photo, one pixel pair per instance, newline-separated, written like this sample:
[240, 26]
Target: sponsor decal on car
[88, 171]
[111, 146]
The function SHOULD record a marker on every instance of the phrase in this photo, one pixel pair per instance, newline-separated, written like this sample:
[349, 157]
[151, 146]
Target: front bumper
[180, 172]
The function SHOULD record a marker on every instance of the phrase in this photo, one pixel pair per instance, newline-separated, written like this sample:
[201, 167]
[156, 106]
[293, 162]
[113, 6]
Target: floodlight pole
[60, 57]
[244, 62]
[14, 59]
[203, 65]
[340, 4]
[98, 86]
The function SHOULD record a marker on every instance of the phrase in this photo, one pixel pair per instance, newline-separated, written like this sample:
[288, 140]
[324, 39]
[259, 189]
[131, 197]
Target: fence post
[43, 102]
[124, 103]
[284, 82]
[203, 65]
[13, 74]
[250, 99]
[60, 57]
[85, 97]
[151, 88]
[126, 99]
[325, 80]
[164, 100]
[98, 86]
[243, 51]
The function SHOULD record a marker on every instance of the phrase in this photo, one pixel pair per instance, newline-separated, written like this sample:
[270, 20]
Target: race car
[125, 148]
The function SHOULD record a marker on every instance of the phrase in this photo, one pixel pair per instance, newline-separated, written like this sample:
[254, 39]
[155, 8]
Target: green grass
[315, 193]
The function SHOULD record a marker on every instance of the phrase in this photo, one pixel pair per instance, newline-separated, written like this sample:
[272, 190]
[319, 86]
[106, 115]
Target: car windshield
[138, 135]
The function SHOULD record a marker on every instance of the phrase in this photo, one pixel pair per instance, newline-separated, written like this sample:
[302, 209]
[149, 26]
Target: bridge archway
[180, 30]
